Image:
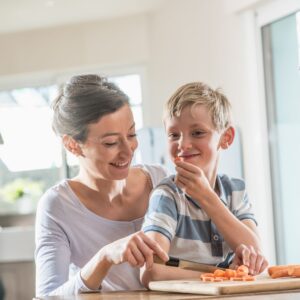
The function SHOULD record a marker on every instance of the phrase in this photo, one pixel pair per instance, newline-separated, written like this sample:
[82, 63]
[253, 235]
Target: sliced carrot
[219, 273]
[249, 278]
[236, 278]
[230, 273]
[243, 269]
[208, 279]
[223, 278]
[241, 274]
[177, 158]
[206, 275]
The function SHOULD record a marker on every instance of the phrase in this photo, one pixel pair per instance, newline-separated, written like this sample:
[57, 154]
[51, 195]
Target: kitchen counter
[150, 295]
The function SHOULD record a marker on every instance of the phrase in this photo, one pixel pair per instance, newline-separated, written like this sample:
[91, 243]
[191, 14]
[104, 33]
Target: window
[31, 156]
[282, 78]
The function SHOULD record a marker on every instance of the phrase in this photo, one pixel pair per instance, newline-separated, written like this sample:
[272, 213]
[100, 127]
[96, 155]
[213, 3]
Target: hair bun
[88, 79]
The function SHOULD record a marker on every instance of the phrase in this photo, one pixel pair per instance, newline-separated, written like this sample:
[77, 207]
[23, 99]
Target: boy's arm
[237, 233]
[193, 182]
[161, 272]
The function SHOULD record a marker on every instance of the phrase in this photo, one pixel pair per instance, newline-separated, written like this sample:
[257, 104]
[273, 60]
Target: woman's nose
[127, 147]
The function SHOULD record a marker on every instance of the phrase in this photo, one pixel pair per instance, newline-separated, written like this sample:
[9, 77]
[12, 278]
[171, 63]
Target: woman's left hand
[248, 256]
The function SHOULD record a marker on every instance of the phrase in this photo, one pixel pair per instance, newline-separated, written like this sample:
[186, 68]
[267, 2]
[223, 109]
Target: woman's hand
[248, 256]
[136, 249]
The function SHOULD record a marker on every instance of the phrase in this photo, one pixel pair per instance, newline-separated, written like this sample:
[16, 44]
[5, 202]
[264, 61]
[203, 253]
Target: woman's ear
[71, 145]
[227, 137]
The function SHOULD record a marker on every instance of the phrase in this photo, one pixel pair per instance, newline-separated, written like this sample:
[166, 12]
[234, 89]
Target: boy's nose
[184, 143]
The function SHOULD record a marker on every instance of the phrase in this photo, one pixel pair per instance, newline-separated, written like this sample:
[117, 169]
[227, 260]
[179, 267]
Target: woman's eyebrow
[115, 133]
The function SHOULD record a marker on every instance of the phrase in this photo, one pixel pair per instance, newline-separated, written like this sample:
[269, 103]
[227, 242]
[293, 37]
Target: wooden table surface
[149, 295]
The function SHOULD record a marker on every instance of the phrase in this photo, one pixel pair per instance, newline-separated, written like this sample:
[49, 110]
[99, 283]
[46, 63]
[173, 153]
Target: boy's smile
[193, 138]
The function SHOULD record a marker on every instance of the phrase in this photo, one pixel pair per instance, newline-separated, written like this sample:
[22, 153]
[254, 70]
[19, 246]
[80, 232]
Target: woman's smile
[121, 165]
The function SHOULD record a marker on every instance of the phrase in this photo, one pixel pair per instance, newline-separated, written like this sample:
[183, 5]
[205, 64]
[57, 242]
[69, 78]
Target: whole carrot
[281, 273]
[295, 272]
[273, 269]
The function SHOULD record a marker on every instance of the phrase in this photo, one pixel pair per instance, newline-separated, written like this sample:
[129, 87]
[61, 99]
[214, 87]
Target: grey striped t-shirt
[192, 234]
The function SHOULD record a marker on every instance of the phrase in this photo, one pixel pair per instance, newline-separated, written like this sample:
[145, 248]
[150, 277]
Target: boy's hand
[192, 180]
[248, 256]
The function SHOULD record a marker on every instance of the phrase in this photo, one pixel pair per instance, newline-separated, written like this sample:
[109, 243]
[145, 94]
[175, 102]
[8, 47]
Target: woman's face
[110, 145]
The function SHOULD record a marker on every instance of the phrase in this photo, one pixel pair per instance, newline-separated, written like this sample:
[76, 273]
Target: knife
[186, 264]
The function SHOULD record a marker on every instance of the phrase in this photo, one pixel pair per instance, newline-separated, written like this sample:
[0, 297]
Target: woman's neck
[109, 188]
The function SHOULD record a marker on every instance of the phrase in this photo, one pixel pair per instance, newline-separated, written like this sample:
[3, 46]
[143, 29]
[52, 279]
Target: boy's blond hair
[198, 93]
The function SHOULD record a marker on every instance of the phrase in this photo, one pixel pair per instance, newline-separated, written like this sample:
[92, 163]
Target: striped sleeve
[162, 213]
[241, 206]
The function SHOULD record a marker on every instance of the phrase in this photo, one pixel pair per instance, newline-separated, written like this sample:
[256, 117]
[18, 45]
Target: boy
[200, 215]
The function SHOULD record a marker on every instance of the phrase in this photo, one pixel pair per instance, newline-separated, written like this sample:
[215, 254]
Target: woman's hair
[83, 100]
[199, 93]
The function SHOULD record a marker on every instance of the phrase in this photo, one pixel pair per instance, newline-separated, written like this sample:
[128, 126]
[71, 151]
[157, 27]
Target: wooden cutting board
[261, 284]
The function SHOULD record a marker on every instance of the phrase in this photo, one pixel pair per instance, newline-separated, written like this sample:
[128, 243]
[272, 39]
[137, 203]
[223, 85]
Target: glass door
[282, 84]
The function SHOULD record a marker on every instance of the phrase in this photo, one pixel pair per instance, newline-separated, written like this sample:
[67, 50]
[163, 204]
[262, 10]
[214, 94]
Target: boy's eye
[173, 136]
[198, 133]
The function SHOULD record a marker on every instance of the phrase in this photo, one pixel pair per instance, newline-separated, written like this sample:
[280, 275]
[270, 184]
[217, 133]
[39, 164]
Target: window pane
[138, 116]
[131, 85]
[31, 153]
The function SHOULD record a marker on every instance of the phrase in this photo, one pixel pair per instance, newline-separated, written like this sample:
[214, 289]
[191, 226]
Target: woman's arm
[136, 249]
[161, 272]
[53, 259]
[53, 253]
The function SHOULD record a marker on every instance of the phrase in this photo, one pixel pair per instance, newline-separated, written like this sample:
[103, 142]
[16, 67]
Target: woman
[88, 226]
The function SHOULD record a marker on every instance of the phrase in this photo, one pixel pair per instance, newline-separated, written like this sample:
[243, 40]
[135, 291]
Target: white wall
[111, 43]
[183, 41]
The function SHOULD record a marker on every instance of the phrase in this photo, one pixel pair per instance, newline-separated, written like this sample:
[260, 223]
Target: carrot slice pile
[240, 274]
[284, 271]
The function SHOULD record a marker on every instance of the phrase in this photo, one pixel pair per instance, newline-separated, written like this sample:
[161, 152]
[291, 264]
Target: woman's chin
[120, 172]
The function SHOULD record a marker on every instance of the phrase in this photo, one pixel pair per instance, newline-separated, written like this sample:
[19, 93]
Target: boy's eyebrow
[197, 125]
[114, 133]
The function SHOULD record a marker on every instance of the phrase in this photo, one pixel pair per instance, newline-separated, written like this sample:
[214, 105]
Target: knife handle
[172, 262]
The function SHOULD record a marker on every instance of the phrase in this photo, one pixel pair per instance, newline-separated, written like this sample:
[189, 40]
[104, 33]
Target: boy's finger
[245, 256]
[252, 260]
[263, 266]
[258, 264]
[188, 166]
[184, 172]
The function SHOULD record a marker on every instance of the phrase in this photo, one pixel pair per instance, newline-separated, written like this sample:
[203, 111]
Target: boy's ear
[71, 145]
[227, 137]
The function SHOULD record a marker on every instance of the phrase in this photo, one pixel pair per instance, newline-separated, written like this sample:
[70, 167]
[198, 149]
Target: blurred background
[249, 48]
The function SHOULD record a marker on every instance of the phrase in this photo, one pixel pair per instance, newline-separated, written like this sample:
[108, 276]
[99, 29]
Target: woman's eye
[109, 144]
[133, 135]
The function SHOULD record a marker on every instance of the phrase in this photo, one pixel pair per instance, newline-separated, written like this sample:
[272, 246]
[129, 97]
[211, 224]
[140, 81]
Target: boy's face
[193, 137]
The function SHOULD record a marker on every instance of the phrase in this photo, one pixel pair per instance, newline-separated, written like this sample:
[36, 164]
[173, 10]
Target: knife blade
[186, 264]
